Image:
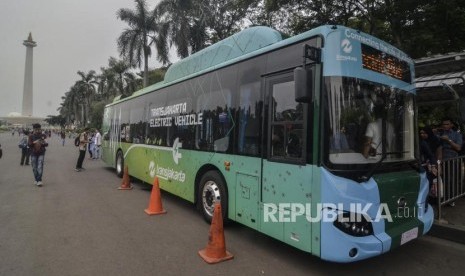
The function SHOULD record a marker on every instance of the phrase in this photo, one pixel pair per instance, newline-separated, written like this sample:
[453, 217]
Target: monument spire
[28, 77]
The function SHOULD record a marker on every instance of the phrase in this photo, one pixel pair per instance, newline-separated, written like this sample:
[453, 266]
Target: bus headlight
[354, 224]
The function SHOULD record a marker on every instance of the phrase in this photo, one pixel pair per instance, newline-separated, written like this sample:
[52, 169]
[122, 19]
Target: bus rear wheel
[119, 164]
[212, 189]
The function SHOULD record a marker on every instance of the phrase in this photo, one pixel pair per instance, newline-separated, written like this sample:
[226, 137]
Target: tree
[106, 84]
[119, 68]
[418, 27]
[56, 120]
[224, 17]
[86, 88]
[157, 75]
[70, 107]
[134, 44]
[177, 23]
[193, 25]
[96, 116]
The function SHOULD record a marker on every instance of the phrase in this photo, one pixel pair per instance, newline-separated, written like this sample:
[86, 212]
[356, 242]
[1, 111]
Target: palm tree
[106, 84]
[70, 107]
[176, 15]
[65, 109]
[86, 87]
[119, 68]
[135, 42]
[131, 81]
[192, 25]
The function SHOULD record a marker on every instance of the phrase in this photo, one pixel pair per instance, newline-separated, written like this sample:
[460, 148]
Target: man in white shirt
[374, 142]
[97, 144]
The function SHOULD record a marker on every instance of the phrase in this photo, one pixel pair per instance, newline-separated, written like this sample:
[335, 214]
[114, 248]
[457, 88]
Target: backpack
[77, 141]
[23, 143]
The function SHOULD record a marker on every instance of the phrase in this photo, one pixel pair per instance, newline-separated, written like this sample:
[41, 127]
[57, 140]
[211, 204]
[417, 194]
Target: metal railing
[450, 184]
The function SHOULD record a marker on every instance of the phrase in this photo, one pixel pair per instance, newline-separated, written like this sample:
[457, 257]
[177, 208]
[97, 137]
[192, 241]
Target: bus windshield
[368, 122]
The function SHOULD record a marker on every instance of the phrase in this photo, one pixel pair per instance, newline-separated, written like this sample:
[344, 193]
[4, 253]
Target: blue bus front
[369, 175]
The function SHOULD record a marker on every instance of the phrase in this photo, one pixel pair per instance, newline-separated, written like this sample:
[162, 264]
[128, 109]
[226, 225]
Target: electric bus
[310, 139]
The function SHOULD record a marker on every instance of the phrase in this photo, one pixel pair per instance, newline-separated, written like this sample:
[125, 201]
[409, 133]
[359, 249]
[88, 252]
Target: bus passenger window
[277, 141]
[287, 124]
[294, 143]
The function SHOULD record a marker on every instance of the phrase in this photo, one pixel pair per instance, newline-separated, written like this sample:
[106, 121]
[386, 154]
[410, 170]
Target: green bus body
[225, 123]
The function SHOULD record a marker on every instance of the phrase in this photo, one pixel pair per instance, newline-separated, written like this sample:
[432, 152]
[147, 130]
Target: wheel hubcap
[210, 196]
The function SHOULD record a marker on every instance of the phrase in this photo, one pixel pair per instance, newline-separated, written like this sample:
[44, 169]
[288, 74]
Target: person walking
[37, 143]
[83, 140]
[97, 144]
[63, 137]
[25, 150]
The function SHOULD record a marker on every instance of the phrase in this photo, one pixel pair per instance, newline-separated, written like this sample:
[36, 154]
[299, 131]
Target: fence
[451, 183]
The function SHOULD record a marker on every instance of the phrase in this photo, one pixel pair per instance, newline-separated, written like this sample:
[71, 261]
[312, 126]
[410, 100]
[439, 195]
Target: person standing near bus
[97, 144]
[83, 140]
[37, 143]
[451, 142]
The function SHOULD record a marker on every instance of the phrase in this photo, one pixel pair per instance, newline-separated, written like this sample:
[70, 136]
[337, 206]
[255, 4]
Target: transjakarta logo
[176, 154]
[166, 173]
[288, 212]
[346, 46]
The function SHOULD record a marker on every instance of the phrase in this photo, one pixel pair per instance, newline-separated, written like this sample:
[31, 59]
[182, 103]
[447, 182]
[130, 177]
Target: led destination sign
[380, 62]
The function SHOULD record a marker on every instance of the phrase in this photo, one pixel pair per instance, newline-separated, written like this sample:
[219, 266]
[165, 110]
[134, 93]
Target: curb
[448, 232]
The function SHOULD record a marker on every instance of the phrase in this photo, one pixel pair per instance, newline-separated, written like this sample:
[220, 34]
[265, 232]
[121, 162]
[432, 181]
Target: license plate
[409, 235]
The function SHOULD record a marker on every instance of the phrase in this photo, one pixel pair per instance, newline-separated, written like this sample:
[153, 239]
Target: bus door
[286, 178]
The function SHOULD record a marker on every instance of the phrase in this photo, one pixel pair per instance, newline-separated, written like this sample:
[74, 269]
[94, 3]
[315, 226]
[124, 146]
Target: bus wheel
[212, 189]
[119, 164]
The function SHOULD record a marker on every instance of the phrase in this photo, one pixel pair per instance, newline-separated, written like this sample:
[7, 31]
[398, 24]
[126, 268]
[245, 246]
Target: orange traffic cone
[215, 251]
[155, 206]
[126, 184]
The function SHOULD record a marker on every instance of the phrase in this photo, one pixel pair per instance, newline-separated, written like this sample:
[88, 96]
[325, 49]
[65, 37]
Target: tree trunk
[146, 69]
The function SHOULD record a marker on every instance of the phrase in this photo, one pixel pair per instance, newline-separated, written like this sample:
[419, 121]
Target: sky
[71, 36]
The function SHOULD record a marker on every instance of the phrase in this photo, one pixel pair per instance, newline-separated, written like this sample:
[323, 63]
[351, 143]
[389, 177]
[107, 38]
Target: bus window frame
[269, 81]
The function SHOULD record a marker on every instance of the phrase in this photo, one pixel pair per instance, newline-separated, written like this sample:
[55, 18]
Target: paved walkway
[452, 224]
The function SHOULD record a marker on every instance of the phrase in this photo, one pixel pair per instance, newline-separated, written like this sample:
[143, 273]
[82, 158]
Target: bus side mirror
[303, 85]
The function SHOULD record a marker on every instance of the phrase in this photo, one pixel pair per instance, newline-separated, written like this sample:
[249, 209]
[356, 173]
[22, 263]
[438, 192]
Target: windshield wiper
[369, 174]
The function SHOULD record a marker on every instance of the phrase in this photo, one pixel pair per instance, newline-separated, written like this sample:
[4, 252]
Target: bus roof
[237, 45]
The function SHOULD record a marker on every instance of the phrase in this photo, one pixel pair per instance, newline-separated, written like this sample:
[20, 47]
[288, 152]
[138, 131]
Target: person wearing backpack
[37, 143]
[25, 150]
[83, 140]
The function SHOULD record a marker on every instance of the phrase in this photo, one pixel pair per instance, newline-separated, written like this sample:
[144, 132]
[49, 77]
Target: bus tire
[212, 189]
[119, 164]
